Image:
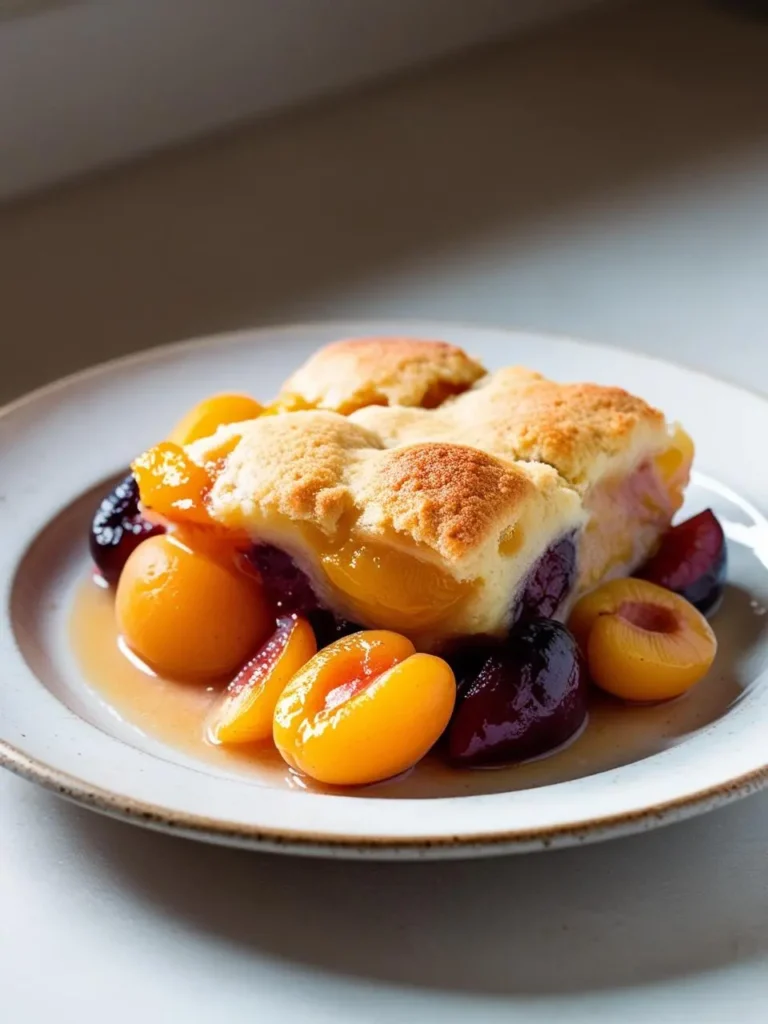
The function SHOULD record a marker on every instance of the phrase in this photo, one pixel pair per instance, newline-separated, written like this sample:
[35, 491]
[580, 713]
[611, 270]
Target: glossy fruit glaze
[364, 709]
[175, 712]
[543, 592]
[521, 700]
[246, 708]
[549, 583]
[207, 416]
[188, 610]
[289, 591]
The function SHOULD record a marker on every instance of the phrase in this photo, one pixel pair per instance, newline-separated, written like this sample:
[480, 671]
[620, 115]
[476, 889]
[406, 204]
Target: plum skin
[286, 585]
[290, 590]
[692, 561]
[549, 583]
[521, 699]
[117, 529]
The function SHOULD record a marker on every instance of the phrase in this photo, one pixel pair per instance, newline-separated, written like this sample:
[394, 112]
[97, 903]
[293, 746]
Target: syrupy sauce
[175, 712]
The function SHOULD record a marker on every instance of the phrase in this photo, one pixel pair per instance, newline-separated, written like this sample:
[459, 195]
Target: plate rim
[305, 841]
[190, 825]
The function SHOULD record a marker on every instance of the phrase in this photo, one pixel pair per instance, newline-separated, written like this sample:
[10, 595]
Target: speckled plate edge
[670, 787]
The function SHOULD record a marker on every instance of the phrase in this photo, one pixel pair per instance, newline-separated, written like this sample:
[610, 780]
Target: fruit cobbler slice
[435, 539]
[628, 467]
[400, 529]
[414, 492]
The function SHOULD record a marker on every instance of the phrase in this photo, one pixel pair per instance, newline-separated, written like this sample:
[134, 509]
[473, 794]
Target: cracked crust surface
[449, 480]
[481, 486]
[577, 428]
[447, 497]
[357, 372]
[321, 469]
[296, 466]
[582, 430]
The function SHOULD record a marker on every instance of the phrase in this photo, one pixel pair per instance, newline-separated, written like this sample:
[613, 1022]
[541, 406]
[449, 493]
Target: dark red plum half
[518, 700]
[118, 528]
[549, 583]
[692, 560]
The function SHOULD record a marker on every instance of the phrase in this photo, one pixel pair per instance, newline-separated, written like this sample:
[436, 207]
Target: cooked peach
[171, 485]
[245, 710]
[642, 642]
[393, 588]
[189, 615]
[363, 709]
[214, 412]
[674, 464]
[227, 546]
[287, 403]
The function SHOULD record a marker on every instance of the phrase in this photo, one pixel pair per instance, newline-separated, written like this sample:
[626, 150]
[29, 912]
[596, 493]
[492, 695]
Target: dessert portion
[508, 500]
[437, 540]
[385, 555]
[617, 453]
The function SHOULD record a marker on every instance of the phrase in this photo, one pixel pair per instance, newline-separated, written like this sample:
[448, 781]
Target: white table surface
[607, 179]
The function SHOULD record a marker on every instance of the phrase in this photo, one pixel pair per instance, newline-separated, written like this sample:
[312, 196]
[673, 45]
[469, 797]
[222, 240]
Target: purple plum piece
[290, 590]
[286, 585]
[692, 560]
[521, 699]
[329, 628]
[118, 528]
[549, 583]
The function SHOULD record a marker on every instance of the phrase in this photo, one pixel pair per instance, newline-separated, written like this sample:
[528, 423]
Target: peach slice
[287, 403]
[214, 412]
[674, 464]
[363, 709]
[642, 642]
[171, 485]
[186, 614]
[245, 710]
[392, 588]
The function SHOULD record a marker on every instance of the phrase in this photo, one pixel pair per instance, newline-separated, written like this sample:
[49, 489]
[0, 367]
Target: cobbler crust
[446, 496]
[321, 469]
[358, 372]
[481, 486]
[584, 431]
[577, 428]
[447, 479]
[296, 466]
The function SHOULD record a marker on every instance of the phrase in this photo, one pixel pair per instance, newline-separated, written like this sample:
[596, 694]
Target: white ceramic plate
[684, 758]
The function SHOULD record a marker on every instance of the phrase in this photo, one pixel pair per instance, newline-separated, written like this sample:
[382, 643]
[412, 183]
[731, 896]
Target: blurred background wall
[85, 83]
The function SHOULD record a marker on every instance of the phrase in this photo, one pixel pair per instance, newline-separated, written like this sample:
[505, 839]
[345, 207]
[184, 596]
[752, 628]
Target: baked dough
[478, 488]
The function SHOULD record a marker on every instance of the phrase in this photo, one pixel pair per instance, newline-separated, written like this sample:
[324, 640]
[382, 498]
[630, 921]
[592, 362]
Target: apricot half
[245, 710]
[642, 642]
[674, 464]
[214, 412]
[187, 614]
[171, 485]
[363, 709]
[391, 587]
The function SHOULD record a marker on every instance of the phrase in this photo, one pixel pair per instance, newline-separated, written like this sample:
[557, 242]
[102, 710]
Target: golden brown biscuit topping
[435, 517]
[358, 372]
[445, 496]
